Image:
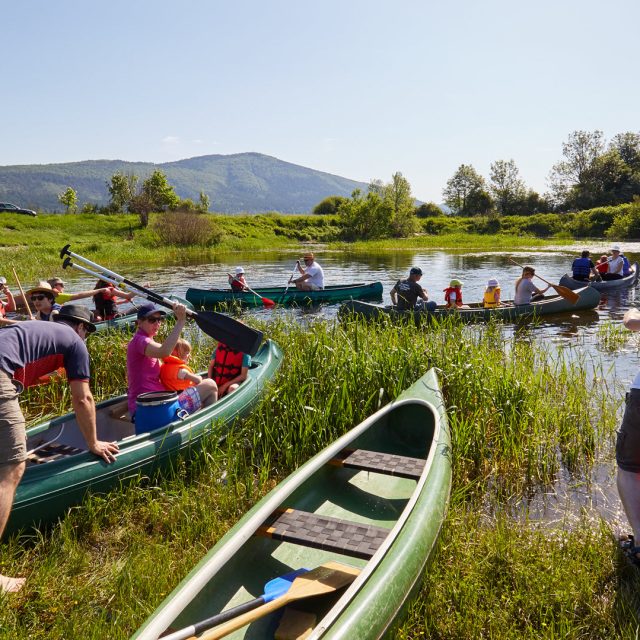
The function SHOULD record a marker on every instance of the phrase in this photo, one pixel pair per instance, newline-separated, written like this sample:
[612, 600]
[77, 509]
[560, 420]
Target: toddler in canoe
[175, 374]
[492, 294]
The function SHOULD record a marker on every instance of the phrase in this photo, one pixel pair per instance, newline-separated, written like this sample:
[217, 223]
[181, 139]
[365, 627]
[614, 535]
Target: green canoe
[209, 298]
[60, 470]
[128, 320]
[588, 299]
[375, 500]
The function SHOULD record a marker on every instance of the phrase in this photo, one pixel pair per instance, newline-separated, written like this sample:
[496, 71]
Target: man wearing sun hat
[616, 265]
[27, 351]
[311, 276]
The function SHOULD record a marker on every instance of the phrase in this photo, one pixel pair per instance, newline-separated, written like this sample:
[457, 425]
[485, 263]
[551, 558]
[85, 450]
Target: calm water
[573, 333]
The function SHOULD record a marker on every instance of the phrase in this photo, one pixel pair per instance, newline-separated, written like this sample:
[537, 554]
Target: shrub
[185, 229]
[626, 225]
[328, 206]
[428, 210]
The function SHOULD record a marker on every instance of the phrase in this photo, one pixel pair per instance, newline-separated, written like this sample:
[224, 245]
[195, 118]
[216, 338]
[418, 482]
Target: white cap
[493, 283]
[615, 248]
[239, 270]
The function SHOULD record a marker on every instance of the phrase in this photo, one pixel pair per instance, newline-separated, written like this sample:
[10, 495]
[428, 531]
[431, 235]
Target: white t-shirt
[526, 289]
[616, 265]
[317, 275]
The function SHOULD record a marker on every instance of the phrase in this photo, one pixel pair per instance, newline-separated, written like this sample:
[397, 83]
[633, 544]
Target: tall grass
[519, 414]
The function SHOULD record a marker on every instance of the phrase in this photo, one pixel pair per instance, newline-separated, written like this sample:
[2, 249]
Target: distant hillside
[250, 182]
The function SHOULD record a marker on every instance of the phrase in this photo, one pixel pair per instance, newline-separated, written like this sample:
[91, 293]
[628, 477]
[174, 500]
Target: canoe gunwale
[631, 280]
[233, 541]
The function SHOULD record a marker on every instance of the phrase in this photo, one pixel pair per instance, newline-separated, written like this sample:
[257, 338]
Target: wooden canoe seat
[323, 532]
[378, 462]
[51, 452]
[120, 411]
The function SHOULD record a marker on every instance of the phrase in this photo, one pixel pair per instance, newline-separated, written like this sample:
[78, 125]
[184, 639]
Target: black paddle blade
[229, 331]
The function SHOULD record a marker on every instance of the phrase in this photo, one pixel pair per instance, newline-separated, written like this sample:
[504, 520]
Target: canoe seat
[378, 462]
[120, 411]
[324, 532]
[51, 452]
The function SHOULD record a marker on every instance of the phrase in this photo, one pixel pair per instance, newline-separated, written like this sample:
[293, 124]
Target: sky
[357, 89]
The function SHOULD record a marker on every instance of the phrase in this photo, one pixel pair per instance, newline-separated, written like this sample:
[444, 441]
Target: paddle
[15, 275]
[223, 328]
[565, 292]
[267, 302]
[272, 590]
[326, 578]
[289, 282]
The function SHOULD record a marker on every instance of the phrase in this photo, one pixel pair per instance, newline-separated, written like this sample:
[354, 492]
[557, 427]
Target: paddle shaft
[565, 292]
[26, 302]
[265, 301]
[290, 278]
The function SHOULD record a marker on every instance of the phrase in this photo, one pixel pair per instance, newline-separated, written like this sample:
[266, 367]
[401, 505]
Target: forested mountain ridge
[251, 182]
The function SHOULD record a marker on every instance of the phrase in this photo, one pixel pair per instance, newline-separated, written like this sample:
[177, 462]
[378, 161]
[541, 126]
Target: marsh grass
[612, 336]
[518, 415]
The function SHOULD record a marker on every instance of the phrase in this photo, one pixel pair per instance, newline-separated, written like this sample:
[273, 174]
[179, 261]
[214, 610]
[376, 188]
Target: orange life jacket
[227, 364]
[447, 296]
[169, 374]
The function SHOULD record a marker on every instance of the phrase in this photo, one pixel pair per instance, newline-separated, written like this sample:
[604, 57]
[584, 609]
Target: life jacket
[169, 374]
[490, 298]
[238, 283]
[447, 296]
[105, 303]
[581, 267]
[227, 364]
[603, 267]
[626, 267]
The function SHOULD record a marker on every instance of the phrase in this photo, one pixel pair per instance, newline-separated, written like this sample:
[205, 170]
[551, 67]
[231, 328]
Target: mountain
[250, 182]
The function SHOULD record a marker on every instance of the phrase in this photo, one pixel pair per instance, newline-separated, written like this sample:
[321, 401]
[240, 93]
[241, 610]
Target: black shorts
[628, 440]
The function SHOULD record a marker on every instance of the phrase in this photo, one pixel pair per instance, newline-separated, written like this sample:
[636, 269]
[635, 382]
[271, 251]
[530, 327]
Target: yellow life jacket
[490, 298]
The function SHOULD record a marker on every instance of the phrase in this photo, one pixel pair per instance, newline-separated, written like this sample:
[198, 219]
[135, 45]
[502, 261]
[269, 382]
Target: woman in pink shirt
[143, 360]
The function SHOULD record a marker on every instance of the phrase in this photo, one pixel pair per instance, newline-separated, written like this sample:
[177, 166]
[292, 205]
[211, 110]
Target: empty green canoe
[374, 500]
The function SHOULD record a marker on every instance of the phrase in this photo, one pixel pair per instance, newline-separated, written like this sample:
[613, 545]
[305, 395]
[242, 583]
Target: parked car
[12, 208]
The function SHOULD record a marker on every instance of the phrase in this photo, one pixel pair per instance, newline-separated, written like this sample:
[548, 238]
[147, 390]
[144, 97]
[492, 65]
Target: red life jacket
[447, 296]
[106, 304]
[169, 374]
[227, 364]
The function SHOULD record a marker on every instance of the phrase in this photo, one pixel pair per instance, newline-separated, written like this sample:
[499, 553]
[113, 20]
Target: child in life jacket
[175, 374]
[492, 294]
[453, 294]
[238, 282]
[228, 368]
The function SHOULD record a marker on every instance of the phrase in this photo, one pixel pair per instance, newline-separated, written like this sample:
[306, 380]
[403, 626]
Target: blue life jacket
[581, 267]
[626, 267]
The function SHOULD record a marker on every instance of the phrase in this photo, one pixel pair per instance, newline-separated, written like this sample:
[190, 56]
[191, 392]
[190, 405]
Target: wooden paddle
[272, 590]
[324, 579]
[15, 275]
[217, 325]
[267, 302]
[289, 282]
[565, 292]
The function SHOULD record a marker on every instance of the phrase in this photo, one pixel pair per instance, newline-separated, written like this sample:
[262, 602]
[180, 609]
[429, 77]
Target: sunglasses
[41, 296]
[154, 320]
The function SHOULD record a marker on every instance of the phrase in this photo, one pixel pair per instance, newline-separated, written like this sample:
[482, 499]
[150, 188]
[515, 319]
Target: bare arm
[155, 350]
[394, 296]
[631, 319]
[183, 374]
[241, 377]
[11, 301]
[85, 410]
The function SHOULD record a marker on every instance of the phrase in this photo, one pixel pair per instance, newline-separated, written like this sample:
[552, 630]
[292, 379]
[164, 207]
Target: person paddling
[238, 282]
[526, 291]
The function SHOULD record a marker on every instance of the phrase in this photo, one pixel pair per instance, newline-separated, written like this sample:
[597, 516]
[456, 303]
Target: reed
[518, 413]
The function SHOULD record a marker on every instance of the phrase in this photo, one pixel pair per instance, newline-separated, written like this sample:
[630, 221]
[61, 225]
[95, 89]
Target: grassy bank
[519, 416]
[32, 245]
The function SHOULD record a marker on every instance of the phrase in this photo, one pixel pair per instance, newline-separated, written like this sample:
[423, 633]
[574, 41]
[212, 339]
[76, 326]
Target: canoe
[60, 470]
[209, 298]
[373, 500]
[128, 320]
[550, 305]
[629, 281]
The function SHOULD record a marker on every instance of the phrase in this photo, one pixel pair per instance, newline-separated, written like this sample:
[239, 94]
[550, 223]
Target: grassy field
[519, 416]
[32, 245]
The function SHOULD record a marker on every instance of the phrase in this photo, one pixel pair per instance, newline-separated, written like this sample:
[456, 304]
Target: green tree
[364, 218]
[460, 189]
[428, 210]
[506, 187]
[157, 188]
[328, 206]
[204, 202]
[121, 187]
[69, 198]
[398, 194]
[628, 146]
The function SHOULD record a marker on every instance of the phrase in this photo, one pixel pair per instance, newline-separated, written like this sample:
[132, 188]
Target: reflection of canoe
[61, 469]
[207, 298]
[588, 299]
[374, 499]
[128, 320]
[629, 281]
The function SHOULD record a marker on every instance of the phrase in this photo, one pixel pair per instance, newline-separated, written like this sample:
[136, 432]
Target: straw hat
[455, 283]
[54, 281]
[42, 287]
[308, 256]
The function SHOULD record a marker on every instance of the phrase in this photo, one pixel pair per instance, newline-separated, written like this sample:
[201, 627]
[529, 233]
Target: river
[577, 333]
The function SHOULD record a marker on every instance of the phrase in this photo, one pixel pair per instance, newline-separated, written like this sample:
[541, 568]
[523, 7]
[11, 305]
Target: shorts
[13, 433]
[628, 440]
[189, 400]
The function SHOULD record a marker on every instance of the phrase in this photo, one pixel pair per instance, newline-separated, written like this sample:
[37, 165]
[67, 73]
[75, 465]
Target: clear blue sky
[359, 89]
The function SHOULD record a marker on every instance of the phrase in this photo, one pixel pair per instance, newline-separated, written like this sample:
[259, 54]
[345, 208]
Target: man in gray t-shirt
[405, 293]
